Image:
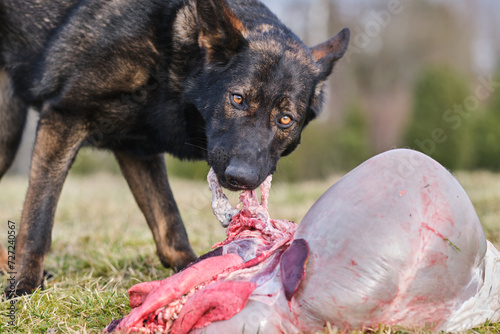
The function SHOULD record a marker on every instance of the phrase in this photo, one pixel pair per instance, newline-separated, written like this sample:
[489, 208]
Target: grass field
[101, 245]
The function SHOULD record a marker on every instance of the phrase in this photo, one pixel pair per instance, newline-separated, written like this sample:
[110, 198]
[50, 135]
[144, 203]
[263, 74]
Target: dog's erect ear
[221, 32]
[327, 53]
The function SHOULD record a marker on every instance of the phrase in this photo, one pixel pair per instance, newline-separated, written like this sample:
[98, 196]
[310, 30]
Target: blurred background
[420, 74]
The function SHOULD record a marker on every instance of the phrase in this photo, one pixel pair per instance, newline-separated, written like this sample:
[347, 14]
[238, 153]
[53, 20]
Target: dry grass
[102, 246]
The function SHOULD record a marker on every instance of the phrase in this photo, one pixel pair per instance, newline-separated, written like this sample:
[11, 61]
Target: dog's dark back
[45, 41]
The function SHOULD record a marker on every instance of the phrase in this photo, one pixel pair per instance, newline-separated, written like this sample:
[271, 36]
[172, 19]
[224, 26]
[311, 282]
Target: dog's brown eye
[285, 121]
[238, 99]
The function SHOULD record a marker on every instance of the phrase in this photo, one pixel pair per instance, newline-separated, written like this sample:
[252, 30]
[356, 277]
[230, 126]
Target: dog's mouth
[238, 178]
[220, 204]
[237, 172]
[233, 185]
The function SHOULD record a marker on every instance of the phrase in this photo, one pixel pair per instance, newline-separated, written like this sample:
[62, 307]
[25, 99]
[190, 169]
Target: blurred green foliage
[486, 137]
[439, 122]
[453, 123]
[91, 160]
[196, 170]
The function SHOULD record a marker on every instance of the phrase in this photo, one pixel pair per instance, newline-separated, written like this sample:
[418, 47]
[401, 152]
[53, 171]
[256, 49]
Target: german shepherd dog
[218, 80]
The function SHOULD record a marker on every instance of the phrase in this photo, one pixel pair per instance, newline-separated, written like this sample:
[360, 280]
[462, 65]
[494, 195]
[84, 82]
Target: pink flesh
[140, 291]
[177, 285]
[219, 301]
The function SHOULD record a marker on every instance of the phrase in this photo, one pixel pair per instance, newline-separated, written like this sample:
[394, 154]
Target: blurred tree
[439, 123]
[353, 140]
[390, 46]
[487, 136]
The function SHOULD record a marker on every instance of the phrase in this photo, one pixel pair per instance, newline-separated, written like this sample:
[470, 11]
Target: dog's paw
[47, 276]
[180, 261]
[10, 294]
[17, 290]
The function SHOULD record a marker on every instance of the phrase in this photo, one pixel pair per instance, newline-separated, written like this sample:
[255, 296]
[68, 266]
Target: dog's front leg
[57, 142]
[147, 178]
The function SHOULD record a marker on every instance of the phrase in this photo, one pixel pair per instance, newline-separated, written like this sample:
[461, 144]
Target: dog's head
[259, 88]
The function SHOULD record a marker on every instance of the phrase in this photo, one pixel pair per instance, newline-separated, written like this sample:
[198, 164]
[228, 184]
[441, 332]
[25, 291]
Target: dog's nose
[241, 177]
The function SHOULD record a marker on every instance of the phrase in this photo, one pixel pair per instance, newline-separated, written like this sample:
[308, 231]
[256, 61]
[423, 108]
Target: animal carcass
[395, 242]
